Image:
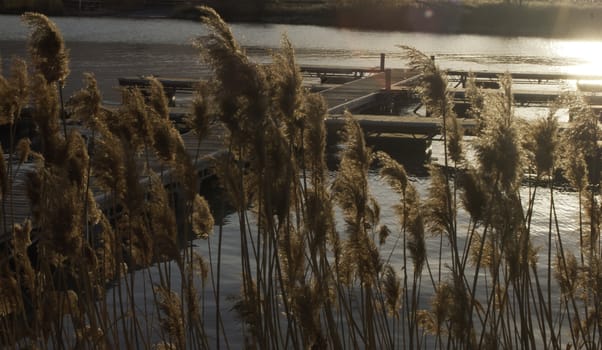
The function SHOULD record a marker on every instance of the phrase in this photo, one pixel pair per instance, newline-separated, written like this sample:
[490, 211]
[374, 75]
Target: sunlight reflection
[585, 54]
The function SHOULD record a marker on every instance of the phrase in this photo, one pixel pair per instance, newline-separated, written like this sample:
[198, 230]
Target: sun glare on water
[584, 57]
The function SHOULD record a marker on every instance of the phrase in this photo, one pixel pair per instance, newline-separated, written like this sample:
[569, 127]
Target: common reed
[310, 278]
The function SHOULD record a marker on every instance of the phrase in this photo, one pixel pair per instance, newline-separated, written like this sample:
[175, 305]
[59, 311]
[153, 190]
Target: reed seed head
[544, 143]
[499, 152]
[202, 220]
[172, 321]
[391, 285]
[86, 103]
[14, 92]
[474, 195]
[393, 172]
[202, 111]
[47, 48]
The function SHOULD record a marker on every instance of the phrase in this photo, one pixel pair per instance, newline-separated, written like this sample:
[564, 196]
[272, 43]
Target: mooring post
[388, 79]
[433, 58]
[382, 62]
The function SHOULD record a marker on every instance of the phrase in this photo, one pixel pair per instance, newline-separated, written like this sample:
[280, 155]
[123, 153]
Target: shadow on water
[411, 152]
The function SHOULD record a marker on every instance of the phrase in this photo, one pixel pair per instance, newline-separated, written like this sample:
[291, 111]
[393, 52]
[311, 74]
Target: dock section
[362, 90]
[19, 208]
[356, 95]
[375, 125]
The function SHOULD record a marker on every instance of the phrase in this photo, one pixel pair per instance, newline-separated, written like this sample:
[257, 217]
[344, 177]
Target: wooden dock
[462, 75]
[362, 91]
[356, 95]
[19, 208]
[412, 124]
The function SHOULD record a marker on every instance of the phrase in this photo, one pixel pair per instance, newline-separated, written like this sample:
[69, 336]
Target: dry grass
[306, 280]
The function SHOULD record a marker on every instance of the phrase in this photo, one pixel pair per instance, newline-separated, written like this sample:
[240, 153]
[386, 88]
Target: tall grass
[71, 274]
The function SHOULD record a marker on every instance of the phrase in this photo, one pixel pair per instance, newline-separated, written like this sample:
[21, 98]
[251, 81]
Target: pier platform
[363, 90]
[19, 209]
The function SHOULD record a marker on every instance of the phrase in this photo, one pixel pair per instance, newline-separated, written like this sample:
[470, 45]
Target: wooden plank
[525, 76]
[359, 93]
[388, 124]
[168, 83]
[410, 124]
[347, 70]
[526, 96]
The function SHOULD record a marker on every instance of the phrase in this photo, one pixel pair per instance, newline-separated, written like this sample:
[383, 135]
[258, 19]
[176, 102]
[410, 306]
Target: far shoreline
[563, 21]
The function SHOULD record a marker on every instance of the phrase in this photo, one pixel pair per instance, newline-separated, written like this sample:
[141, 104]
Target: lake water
[111, 48]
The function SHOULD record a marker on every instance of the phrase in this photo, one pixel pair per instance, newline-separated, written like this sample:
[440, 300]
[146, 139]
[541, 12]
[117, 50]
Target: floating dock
[19, 209]
[360, 91]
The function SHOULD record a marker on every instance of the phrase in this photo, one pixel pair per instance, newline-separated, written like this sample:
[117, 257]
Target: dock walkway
[18, 208]
[355, 95]
[362, 91]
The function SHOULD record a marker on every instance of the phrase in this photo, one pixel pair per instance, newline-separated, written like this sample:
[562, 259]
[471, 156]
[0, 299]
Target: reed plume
[14, 92]
[350, 190]
[61, 183]
[582, 137]
[306, 307]
[392, 290]
[240, 85]
[314, 110]
[442, 303]
[77, 159]
[62, 222]
[437, 215]
[6, 106]
[454, 135]
[202, 220]
[544, 143]
[567, 273]
[433, 83]
[133, 122]
[105, 251]
[172, 322]
[393, 172]
[24, 150]
[166, 140]
[414, 221]
[474, 196]
[162, 223]
[476, 100]
[202, 112]
[158, 99]
[575, 167]
[498, 148]
[21, 241]
[10, 292]
[287, 83]
[109, 165]
[45, 115]
[86, 104]
[409, 211]
[47, 48]
[137, 240]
